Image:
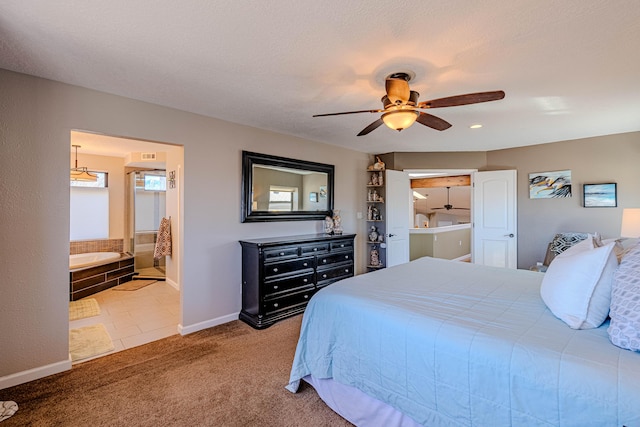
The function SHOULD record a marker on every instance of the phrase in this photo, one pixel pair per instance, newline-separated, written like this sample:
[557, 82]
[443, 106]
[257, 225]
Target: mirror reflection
[281, 189]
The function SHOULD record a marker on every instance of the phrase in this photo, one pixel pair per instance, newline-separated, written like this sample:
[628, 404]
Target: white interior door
[494, 213]
[399, 209]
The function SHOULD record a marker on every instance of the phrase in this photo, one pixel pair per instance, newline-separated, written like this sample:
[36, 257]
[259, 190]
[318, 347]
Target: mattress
[458, 344]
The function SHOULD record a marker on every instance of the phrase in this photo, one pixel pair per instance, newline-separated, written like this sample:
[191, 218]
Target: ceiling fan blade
[466, 99]
[397, 90]
[373, 126]
[433, 122]
[348, 112]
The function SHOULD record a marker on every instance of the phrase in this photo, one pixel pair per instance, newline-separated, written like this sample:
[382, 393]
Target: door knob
[509, 235]
[391, 235]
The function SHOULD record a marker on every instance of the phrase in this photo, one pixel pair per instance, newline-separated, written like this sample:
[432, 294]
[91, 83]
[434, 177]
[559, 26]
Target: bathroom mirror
[281, 189]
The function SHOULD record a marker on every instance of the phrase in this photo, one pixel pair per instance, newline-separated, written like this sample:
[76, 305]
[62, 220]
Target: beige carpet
[133, 285]
[89, 341]
[83, 308]
[227, 376]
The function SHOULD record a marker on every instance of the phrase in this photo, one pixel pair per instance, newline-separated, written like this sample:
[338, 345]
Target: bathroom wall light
[82, 173]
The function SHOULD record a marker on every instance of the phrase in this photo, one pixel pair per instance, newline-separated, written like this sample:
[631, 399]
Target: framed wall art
[548, 185]
[600, 195]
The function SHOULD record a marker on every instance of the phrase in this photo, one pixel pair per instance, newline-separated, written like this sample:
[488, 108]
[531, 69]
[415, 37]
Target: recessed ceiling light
[477, 126]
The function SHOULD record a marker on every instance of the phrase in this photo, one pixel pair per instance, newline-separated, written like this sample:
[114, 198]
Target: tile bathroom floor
[133, 318]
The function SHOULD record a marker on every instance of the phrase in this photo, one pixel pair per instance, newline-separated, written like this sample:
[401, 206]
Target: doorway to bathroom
[144, 187]
[146, 205]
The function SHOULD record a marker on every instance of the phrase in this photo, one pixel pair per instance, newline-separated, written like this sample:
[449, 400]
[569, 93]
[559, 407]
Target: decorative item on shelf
[373, 180]
[373, 214]
[380, 178]
[337, 222]
[373, 234]
[374, 196]
[328, 225]
[374, 257]
[377, 166]
[381, 239]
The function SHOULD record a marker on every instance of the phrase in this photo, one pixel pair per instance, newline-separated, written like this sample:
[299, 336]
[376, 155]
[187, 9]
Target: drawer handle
[342, 245]
[275, 287]
[324, 261]
[275, 270]
[346, 257]
[315, 249]
[306, 296]
[305, 264]
[281, 253]
[305, 280]
[275, 305]
[324, 276]
[346, 270]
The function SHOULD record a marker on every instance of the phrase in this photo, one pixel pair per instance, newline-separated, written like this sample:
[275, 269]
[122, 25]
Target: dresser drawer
[341, 244]
[317, 248]
[288, 301]
[335, 258]
[335, 272]
[284, 267]
[273, 288]
[280, 253]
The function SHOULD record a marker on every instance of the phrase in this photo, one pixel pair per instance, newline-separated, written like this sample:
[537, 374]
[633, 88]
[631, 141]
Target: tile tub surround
[90, 280]
[100, 245]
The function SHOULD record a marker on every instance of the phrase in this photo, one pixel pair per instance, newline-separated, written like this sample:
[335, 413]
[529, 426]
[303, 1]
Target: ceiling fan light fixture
[400, 119]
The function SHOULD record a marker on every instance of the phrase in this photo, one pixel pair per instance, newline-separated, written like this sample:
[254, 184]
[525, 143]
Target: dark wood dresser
[279, 275]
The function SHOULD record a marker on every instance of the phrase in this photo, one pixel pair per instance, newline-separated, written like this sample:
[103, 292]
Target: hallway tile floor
[133, 318]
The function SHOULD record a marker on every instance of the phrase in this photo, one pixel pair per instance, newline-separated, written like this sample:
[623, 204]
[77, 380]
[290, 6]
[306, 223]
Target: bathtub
[91, 258]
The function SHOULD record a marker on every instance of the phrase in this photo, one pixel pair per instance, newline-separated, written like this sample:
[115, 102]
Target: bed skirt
[357, 407]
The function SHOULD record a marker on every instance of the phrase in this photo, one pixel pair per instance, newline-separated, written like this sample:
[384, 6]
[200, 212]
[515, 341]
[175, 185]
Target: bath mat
[7, 408]
[133, 285]
[89, 341]
[83, 308]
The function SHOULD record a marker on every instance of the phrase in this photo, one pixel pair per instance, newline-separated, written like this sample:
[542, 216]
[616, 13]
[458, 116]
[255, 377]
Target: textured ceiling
[570, 68]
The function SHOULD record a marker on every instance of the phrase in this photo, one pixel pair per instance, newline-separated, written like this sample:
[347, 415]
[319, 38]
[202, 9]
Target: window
[89, 209]
[102, 181]
[283, 199]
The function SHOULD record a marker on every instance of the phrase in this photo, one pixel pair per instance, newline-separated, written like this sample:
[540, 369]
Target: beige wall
[449, 160]
[37, 117]
[612, 158]
[447, 244]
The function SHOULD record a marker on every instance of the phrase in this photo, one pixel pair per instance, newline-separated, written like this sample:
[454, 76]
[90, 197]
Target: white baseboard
[34, 374]
[172, 284]
[185, 330]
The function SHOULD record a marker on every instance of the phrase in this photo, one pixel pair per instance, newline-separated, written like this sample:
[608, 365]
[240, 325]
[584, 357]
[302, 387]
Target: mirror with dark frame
[281, 189]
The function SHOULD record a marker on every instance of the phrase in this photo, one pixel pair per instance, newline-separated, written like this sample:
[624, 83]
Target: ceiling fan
[449, 206]
[400, 106]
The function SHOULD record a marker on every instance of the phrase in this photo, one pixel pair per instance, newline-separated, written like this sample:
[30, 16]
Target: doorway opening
[441, 216]
[140, 195]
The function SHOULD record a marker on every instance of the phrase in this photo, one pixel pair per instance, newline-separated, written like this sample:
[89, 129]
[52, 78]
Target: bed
[442, 343]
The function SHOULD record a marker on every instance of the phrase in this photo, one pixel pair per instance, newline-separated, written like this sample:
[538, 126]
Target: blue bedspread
[451, 343]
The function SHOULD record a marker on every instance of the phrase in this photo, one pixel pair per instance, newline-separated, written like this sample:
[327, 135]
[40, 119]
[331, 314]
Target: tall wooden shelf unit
[376, 219]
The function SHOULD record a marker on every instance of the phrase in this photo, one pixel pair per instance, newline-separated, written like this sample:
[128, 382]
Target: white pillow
[577, 285]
